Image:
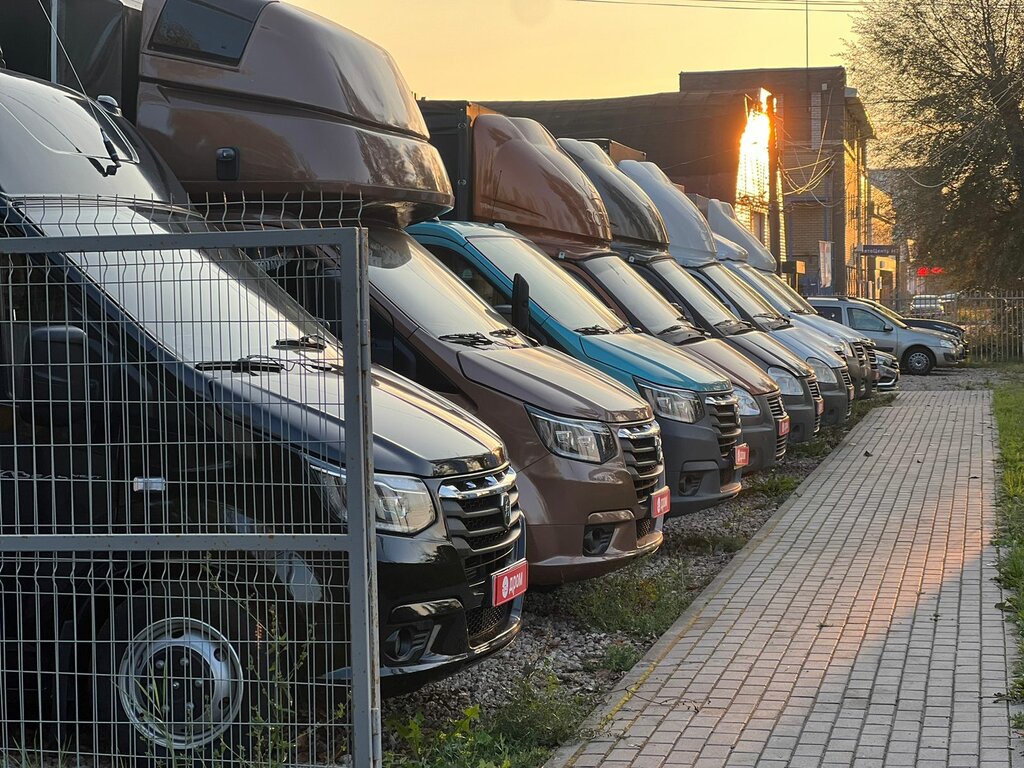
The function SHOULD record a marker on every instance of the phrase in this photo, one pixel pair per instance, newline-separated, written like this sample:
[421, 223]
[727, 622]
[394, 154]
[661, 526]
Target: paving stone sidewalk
[859, 627]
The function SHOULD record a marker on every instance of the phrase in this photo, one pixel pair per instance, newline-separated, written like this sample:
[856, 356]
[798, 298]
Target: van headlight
[748, 405]
[590, 441]
[788, 383]
[676, 404]
[821, 369]
[401, 504]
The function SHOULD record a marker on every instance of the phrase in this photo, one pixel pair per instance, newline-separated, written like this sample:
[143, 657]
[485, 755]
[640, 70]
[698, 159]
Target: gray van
[919, 350]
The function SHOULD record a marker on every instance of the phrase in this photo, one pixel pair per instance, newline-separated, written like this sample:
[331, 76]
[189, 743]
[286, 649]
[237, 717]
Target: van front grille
[486, 524]
[641, 449]
[873, 358]
[724, 411]
[778, 412]
[812, 385]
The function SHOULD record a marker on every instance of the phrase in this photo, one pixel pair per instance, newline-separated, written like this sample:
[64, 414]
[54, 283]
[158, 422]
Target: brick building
[823, 133]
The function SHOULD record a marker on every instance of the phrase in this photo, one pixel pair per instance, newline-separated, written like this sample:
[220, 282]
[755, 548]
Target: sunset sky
[549, 49]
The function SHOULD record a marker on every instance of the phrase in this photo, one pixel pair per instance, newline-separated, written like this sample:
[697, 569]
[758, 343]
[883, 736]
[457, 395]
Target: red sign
[742, 455]
[661, 502]
[510, 583]
[819, 406]
[784, 426]
[926, 271]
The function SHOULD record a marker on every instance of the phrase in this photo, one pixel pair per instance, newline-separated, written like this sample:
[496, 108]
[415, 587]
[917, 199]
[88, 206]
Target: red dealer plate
[784, 426]
[510, 583]
[742, 455]
[820, 406]
[661, 502]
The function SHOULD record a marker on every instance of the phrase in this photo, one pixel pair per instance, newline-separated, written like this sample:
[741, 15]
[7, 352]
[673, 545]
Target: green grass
[620, 657]
[640, 601]
[540, 716]
[1009, 412]
[773, 484]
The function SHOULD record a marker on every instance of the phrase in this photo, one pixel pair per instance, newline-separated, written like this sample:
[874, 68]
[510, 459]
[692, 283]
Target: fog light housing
[406, 644]
[689, 483]
[597, 539]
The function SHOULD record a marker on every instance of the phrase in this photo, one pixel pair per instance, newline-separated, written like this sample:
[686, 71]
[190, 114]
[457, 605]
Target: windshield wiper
[303, 342]
[469, 339]
[253, 364]
[505, 332]
[593, 330]
[671, 329]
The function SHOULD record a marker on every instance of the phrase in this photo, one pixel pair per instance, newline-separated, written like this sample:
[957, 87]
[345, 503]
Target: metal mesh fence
[184, 548]
[994, 321]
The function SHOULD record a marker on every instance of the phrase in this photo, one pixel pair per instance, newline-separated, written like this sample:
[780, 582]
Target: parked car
[919, 350]
[889, 372]
[207, 401]
[927, 305]
[942, 326]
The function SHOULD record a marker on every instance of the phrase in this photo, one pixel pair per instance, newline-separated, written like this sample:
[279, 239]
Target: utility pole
[774, 204]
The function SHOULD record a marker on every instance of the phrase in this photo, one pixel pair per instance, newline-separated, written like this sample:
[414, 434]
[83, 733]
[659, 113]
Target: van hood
[806, 343]
[719, 356]
[722, 220]
[553, 382]
[647, 358]
[414, 431]
[759, 344]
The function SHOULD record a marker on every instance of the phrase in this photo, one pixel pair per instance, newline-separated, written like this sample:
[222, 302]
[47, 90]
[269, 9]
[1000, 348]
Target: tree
[944, 80]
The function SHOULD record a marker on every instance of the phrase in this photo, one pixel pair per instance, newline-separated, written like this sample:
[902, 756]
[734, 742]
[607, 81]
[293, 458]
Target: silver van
[919, 350]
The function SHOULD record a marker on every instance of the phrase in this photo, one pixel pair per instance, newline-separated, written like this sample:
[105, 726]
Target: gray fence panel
[153, 583]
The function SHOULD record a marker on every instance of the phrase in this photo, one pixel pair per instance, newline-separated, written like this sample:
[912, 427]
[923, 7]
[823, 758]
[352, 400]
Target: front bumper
[838, 401]
[563, 500]
[805, 418]
[697, 473]
[423, 594]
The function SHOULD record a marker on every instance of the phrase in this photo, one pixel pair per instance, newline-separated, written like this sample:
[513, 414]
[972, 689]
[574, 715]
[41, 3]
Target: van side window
[832, 313]
[862, 320]
[198, 30]
[470, 275]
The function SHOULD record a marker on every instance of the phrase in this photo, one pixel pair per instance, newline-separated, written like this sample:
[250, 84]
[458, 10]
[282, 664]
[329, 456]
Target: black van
[182, 392]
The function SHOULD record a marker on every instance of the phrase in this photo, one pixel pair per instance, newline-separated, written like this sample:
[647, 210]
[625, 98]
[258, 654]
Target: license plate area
[742, 455]
[509, 583]
[661, 502]
[784, 426]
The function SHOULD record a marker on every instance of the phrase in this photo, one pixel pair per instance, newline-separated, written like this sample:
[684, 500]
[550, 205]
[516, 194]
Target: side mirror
[56, 387]
[678, 308]
[888, 328]
[521, 304]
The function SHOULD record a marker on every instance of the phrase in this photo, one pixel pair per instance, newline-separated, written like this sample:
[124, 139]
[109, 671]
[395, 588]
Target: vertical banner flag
[825, 263]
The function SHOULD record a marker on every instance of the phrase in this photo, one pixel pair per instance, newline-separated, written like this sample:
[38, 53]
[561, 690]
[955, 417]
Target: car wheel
[918, 361]
[180, 679]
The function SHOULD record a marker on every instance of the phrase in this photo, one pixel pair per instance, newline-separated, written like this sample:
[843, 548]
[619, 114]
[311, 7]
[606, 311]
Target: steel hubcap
[919, 361]
[181, 683]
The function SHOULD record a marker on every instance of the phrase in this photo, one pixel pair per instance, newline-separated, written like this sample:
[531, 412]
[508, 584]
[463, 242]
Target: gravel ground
[959, 378]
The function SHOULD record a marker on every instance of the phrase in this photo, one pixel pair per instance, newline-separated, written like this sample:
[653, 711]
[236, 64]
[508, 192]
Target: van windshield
[551, 287]
[638, 296]
[427, 291]
[203, 306]
[741, 294]
[703, 303]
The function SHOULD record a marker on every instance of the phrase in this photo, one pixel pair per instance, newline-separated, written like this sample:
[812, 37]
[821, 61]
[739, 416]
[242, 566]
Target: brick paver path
[859, 627]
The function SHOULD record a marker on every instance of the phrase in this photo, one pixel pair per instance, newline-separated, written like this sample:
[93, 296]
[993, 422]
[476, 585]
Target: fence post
[355, 340]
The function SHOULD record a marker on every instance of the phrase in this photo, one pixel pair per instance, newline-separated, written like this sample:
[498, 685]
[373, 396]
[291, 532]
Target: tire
[918, 361]
[166, 646]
